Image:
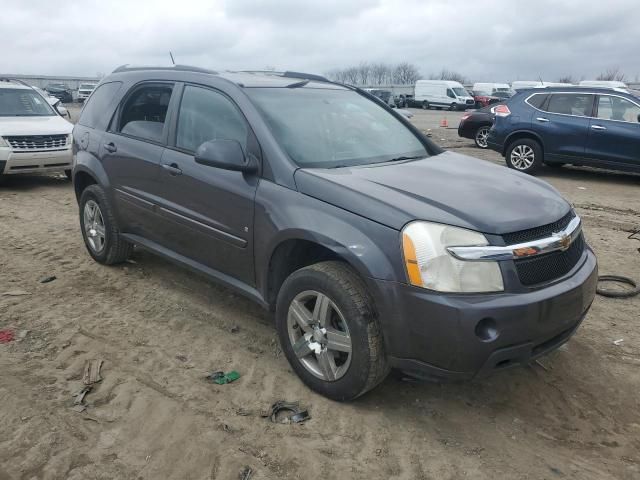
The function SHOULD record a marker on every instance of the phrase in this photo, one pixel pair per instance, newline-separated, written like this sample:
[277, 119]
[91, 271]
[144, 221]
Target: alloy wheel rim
[319, 335]
[94, 226]
[522, 157]
[482, 136]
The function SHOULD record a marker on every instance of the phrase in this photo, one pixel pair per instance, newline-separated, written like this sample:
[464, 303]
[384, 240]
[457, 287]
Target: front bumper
[434, 336]
[13, 162]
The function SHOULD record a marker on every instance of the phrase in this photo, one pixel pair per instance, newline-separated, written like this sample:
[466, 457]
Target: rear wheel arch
[81, 181]
[520, 135]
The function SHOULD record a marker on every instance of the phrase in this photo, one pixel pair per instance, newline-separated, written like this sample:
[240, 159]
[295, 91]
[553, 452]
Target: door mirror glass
[62, 110]
[225, 154]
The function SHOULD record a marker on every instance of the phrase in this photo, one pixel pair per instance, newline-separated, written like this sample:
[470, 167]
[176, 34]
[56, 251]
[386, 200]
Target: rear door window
[577, 104]
[617, 108]
[144, 112]
[96, 112]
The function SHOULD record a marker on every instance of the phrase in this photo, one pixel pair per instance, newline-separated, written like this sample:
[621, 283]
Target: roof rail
[288, 74]
[180, 68]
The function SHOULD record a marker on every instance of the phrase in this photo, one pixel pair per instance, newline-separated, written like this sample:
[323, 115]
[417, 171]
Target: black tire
[480, 136]
[425, 105]
[524, 145]
[116, 249]
[452, 107]
[68, 174]
[368, 365]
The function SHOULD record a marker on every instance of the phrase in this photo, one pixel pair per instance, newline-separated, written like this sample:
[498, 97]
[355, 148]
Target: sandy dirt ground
[160, 330]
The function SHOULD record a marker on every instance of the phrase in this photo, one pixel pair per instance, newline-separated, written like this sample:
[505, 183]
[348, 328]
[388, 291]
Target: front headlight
[3, 142]
[430, 265]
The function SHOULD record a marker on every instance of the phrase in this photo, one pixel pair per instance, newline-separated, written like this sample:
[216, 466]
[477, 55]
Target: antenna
[172, 60]
[541, 81]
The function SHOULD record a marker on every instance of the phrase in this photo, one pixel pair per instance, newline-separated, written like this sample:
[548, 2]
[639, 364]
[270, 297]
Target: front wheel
[329, 332]
[524, 155]
[452, 107]
[481, 137]
[100, 228]
[425, 105]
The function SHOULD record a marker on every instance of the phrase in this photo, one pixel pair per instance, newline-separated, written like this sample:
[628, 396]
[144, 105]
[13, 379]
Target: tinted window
[96, 109]
[207, 115]
[570, 104]
[145, 111]
[537, 100]
[333, 127]
[617, 108]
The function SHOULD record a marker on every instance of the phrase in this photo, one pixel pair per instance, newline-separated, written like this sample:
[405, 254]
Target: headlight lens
[430, 265]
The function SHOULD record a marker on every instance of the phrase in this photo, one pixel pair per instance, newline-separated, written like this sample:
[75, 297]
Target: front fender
[282, 214]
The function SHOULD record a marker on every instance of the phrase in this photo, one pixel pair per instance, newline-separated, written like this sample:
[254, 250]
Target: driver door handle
[172, 168]
[598, 127]
[542, 119]
[110, 147]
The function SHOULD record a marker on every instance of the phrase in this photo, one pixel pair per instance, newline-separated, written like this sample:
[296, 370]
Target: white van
[442, 94]
[490, 88]
[603, 83]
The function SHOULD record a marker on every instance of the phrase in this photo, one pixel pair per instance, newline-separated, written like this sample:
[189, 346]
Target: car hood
[51, 125]
[447, 188]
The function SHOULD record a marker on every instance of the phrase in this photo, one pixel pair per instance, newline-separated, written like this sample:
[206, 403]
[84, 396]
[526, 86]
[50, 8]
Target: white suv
[85, 90]
[34, 138]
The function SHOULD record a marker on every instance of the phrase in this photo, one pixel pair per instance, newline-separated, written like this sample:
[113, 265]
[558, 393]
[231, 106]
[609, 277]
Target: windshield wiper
[400, 159]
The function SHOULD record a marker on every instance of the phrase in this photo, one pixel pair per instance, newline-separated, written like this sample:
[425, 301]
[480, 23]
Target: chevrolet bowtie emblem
[565, 242]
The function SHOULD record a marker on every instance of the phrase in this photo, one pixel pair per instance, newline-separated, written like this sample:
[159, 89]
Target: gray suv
[375, 248]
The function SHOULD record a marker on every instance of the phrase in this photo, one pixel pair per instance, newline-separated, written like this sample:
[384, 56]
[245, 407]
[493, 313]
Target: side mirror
[225, 154]
[62, 110]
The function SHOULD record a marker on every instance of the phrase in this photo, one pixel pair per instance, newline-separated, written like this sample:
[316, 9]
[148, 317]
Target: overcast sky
[490, 40]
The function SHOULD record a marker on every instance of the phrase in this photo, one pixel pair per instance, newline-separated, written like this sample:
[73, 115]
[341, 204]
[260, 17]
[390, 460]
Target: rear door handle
[598, 127]
[110, 147]
[172, 168]
[542, 119]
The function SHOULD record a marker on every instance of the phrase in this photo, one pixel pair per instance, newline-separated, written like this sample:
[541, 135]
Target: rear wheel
[452, 107]
[328, 331]
[425, 105]
[100, 228]
[524, 155]
[482, 134]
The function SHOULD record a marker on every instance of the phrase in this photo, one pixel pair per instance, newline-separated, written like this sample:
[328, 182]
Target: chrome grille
[37, 142]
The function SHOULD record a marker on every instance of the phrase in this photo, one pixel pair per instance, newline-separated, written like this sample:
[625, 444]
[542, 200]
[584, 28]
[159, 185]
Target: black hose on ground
[632, 292]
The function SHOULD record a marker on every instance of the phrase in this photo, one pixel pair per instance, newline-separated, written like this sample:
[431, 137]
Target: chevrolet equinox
[375, 248]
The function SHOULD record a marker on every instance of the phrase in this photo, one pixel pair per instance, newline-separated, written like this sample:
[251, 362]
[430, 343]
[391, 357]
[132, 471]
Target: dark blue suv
[596, 126]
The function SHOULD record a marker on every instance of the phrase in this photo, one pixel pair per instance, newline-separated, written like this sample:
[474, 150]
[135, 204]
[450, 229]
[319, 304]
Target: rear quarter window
[537, 100]
[97, 112]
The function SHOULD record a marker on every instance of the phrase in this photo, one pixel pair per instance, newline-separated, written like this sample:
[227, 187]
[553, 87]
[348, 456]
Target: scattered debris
[582, 188]
[181, 357]
[48, 279]
[222, 378]
[617, 293]
[295, 413]
[6, 336]
[78, 399]
[245, 473]
[618, 342]
[92, 371]
[16, 293]
[235, 329]
[242, 412]
[132, 262]
[540, 364]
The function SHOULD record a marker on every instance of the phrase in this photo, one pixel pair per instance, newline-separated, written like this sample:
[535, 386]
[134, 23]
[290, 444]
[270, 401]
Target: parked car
[375, 248]
[502, 95]
[34, 138]
[61, 91]
[85, 90]
[576, 125]
[476, 125]
[442, 94]
[483, 99]
[384, 95]
[54, 102]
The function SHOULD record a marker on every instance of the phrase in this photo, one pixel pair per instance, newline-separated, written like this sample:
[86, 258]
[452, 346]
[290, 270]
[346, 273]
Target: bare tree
[364, 72]
[405, 74]
[612, 74]
[351, 75]
[380, 73]
[566, 79]
[446, 74]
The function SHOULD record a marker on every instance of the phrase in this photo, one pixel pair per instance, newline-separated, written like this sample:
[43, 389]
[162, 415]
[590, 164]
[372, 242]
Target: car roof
[245, 79]
[9, 83]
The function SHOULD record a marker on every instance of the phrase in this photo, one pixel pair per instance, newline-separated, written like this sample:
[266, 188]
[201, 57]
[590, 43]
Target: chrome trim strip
[558, 241]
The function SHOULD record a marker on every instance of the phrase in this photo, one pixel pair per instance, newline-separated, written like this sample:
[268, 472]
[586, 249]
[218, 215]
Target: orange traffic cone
[444, 123]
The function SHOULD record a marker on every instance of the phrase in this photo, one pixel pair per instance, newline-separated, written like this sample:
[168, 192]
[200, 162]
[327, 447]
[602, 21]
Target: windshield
[19, 102]
[461, 92]
[333, 127]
